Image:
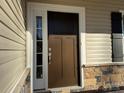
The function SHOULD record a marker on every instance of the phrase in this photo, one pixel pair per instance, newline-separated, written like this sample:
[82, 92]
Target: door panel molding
[63, 68]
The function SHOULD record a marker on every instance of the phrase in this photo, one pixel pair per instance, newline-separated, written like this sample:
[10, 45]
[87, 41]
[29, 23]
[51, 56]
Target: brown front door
[62, 68]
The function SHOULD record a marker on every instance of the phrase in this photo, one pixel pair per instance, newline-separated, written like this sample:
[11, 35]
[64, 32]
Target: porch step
[42, 91]
[72, 89]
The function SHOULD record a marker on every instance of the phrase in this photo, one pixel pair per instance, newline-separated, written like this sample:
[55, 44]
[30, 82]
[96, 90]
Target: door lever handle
[50, 56]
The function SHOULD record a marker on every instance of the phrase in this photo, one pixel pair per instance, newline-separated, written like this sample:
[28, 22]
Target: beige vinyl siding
[12, 43]
[98, 21]
[98, 48]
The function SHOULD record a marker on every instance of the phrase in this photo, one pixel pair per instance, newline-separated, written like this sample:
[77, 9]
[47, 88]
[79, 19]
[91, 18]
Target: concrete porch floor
[77, 89]
[120, 91]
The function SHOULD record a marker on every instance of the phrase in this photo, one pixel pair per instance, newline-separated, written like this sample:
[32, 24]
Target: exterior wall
[98, 25]
[98, 40]
[12, 43]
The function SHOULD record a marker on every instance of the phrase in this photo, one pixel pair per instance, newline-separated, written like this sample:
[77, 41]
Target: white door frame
[122, 11]
[33, 7]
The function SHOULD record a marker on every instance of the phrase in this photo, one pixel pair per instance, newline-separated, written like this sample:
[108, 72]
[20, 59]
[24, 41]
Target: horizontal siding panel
[95, 39]
[5, 19]
[114, 4]
[105, 55]
[98, 18]
[101, 21]
[99, 51]
[99, 43]
[5, 31]
[106, 5]
[8, 44]
[102, 25]
[96, 27]
[98, 39]
[95, 16]
[15, 79]
[98, 48]
[11, 15]
[7, 56]
[99, 60]
[97, 9]
[14, 67]
[21, 21]
[98, 30]
[93, 35]
[18, 5]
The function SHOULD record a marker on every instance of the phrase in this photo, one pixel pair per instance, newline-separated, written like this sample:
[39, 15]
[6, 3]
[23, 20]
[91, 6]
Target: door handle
[50, 56]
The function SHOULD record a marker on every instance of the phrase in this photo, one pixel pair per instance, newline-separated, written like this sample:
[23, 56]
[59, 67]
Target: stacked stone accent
[104, 77]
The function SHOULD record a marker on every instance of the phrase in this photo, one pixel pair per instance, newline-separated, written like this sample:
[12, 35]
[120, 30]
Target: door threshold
[67, 89]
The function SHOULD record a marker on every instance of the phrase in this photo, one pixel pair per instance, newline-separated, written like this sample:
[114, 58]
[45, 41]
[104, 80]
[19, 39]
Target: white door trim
[122, 11]
[57, 8]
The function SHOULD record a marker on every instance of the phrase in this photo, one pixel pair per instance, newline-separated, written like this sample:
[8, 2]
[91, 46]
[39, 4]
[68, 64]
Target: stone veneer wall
[104, 77]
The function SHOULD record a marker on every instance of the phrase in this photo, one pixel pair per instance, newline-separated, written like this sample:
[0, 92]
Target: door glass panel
[39, 59]
[39, 72]
[39, 65]
[39, 28]
[39, 46]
